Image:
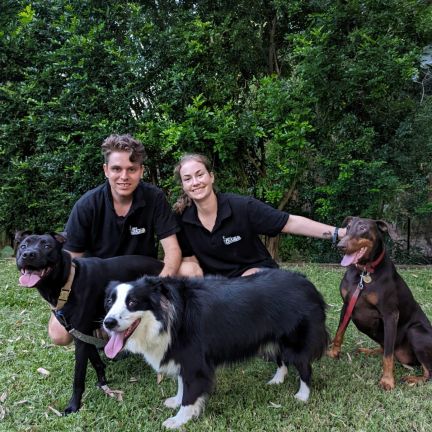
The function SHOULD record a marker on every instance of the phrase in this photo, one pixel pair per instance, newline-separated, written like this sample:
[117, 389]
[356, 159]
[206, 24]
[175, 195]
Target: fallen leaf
[159, 378]
[408, 367]
[21, 402]
[117, 394]
[273, 405]
[2, 412]
[349, 358]
[57, 413]
[3, 397]
[43, 371]
[133, 379]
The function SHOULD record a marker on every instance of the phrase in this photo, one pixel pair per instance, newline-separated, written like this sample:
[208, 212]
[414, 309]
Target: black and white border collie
[186, 327]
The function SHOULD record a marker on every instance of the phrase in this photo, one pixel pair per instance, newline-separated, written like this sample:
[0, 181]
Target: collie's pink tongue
[29, 278]
[115, 344]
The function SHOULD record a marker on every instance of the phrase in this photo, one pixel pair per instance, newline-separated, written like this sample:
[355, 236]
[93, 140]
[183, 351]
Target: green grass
[345, 393]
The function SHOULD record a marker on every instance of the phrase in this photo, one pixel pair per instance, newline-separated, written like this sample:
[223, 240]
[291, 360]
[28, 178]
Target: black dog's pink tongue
[30, 278]
[115, 344]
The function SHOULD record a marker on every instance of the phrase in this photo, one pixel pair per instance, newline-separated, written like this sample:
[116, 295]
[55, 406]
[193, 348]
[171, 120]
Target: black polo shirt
[233, 246]
[94, 227]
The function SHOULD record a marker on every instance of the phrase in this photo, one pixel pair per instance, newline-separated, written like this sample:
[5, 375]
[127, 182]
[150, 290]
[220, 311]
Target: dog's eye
[23, 246]
[132, 303]
[108, 303]
[362, 227]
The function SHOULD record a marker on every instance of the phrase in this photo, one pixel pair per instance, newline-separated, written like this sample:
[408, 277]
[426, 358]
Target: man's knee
[57, 333]
[190, 269]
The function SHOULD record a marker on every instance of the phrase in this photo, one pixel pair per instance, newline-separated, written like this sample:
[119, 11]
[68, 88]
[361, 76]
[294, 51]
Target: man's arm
[172, 255]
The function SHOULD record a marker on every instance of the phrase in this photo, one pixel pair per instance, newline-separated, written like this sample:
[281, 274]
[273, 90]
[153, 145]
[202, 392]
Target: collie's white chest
[152, 344]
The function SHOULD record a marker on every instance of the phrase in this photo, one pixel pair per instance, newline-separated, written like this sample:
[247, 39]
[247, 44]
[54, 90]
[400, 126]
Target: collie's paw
[301, 397]
[172, 402]
[279, 376]
[173, 423]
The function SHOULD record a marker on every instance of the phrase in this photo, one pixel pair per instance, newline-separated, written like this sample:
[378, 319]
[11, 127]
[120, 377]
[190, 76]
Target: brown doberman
[385, 309]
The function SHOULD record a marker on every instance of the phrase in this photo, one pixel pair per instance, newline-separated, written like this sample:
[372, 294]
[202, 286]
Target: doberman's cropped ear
[21, 235]
[385, 228]
[346, 221]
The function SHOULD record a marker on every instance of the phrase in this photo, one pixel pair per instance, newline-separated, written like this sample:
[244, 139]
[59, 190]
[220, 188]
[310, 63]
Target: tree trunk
[272, 243]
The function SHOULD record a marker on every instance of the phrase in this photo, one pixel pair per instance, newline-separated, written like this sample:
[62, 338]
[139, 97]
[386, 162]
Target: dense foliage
[318, 107]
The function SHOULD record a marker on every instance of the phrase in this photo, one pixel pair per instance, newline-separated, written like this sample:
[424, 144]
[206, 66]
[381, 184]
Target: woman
[220, 231]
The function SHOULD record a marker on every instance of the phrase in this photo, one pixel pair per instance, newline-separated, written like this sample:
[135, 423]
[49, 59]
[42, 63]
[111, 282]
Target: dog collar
[65, 291]
[370, 267]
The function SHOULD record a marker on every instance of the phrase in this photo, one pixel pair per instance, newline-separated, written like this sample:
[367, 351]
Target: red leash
[368, 268]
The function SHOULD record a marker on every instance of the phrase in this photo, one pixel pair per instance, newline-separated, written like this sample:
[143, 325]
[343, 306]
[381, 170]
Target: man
[123, 216]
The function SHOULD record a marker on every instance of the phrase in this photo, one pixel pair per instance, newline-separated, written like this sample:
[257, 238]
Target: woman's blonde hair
[183, 200]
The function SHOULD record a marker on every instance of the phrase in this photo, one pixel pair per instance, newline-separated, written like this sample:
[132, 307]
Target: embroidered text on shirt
[137, 231]
[229, 240]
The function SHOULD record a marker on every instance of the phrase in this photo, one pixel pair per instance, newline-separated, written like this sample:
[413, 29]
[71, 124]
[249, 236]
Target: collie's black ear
[111, 285]
[109, 292]
[346, 221]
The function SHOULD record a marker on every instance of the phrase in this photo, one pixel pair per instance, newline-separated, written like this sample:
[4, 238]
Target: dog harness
[366, 278]
[65, 291]
[57, 311]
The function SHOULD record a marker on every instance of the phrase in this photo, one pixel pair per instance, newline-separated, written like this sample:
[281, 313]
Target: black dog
[386, 310]
[187, 327]
[75, 289]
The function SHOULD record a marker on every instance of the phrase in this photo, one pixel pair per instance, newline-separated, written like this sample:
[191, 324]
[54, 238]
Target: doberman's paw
[387, 383]
[413, 380]
[333, 353]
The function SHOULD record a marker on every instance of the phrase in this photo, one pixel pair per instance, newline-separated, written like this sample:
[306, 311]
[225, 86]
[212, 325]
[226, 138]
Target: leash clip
[363, 275]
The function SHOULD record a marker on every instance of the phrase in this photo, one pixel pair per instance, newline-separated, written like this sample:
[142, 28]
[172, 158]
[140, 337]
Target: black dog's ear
[346, 221]
[21, 235]
[59, 237]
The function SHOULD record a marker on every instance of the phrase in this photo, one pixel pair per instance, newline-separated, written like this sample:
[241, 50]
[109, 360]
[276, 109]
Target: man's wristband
[335, 236]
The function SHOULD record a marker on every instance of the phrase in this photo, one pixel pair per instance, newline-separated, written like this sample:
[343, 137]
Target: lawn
[345, 394]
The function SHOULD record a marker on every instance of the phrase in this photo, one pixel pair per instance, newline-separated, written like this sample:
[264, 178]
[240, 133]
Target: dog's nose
[28, 255]
[110, 323]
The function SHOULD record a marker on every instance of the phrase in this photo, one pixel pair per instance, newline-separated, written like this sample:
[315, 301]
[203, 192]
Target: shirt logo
[137, 231]
[229, 240]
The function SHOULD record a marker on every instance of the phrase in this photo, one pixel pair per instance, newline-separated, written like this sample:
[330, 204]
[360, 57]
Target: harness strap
[92, 340]
[61, 301]
[65, 291]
